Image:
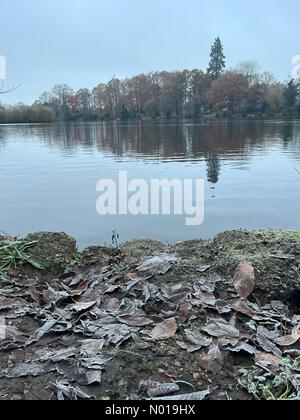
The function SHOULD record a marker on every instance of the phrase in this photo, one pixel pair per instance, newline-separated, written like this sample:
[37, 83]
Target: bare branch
[9, 90]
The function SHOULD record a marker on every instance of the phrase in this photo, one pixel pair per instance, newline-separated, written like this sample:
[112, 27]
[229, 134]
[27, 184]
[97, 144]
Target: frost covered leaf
[58, 356]
[222, 307]
[266, 340]
[11, 333]
[243, 347]
[135, 321]
[213, 361]
[164, 330]
[221, 329]
[84, 306]
[225, 341]
[61, 326]
[265, 360]
[93, 377]
[286, 341]
[204, 285]
[170, 291]
[82, 287]
[26, 369]
[111, 304]
[66, 391]
[175, 294]
[197, 338]
[72, 371]
[149, 291]
[270, 335]
[54, 296]
[289, 340]
[50, 326]
[243, 307]
[206, 298]
[91, 347]
[280, 307]
[133, 283]
[244, 279]
[112, 288]
[158, 265]
[184, 311]
[115, 334]
[45, 329]
[195, 396]
[128, 308]
[7, 303]
[158, 389]
[194, 341]
[97, 362]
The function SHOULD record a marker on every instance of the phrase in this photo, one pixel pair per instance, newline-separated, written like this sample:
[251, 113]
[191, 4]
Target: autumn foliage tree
[228, 92]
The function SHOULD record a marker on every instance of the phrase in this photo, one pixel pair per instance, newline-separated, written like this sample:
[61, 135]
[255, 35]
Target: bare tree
[61, 93]
[251, 70]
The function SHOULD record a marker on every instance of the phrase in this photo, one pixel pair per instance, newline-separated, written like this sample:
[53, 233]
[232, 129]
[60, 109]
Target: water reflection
[212, 141]
[213, 167]
[48, 175]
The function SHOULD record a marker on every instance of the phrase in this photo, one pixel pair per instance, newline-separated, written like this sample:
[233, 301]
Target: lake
[49, 174]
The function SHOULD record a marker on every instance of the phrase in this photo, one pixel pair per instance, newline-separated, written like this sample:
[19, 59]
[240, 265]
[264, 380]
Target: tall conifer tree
[217, 60]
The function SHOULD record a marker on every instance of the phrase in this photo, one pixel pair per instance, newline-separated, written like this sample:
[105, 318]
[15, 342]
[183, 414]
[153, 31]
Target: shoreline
[179, 120]
[125, 322]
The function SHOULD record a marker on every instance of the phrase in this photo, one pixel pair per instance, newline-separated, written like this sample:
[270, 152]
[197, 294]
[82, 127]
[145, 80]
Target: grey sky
[85, 42]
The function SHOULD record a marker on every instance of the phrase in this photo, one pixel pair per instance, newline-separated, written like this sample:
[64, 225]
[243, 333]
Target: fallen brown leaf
[164, 330]
[244, 279]
[289, 340]
[213, 361]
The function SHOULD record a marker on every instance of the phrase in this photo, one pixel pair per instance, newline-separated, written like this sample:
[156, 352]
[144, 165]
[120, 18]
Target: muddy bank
[151, 320]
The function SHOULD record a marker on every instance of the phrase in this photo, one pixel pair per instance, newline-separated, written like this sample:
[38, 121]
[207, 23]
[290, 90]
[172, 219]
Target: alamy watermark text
[155, 197]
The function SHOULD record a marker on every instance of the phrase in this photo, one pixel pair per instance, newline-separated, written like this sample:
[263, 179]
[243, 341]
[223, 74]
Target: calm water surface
[48, 176]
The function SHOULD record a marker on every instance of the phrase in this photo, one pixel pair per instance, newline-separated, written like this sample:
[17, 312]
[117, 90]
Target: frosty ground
[195, 320]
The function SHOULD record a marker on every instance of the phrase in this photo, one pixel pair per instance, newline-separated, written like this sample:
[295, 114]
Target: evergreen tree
[217, 60]
[290, 96]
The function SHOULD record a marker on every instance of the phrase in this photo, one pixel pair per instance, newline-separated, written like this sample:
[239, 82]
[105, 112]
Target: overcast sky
[85, 42]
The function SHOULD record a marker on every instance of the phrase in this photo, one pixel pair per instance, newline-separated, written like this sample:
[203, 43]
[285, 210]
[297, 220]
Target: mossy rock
[137, 249]
[194, 250]
[54, 251]
[254, 246]
[276, 277]
[95, 255]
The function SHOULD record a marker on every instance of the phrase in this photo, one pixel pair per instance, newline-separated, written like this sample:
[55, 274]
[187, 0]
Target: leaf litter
[97, 322]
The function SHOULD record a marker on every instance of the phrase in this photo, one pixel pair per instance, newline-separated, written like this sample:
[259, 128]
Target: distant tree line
[27, 114]
[243, 91]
